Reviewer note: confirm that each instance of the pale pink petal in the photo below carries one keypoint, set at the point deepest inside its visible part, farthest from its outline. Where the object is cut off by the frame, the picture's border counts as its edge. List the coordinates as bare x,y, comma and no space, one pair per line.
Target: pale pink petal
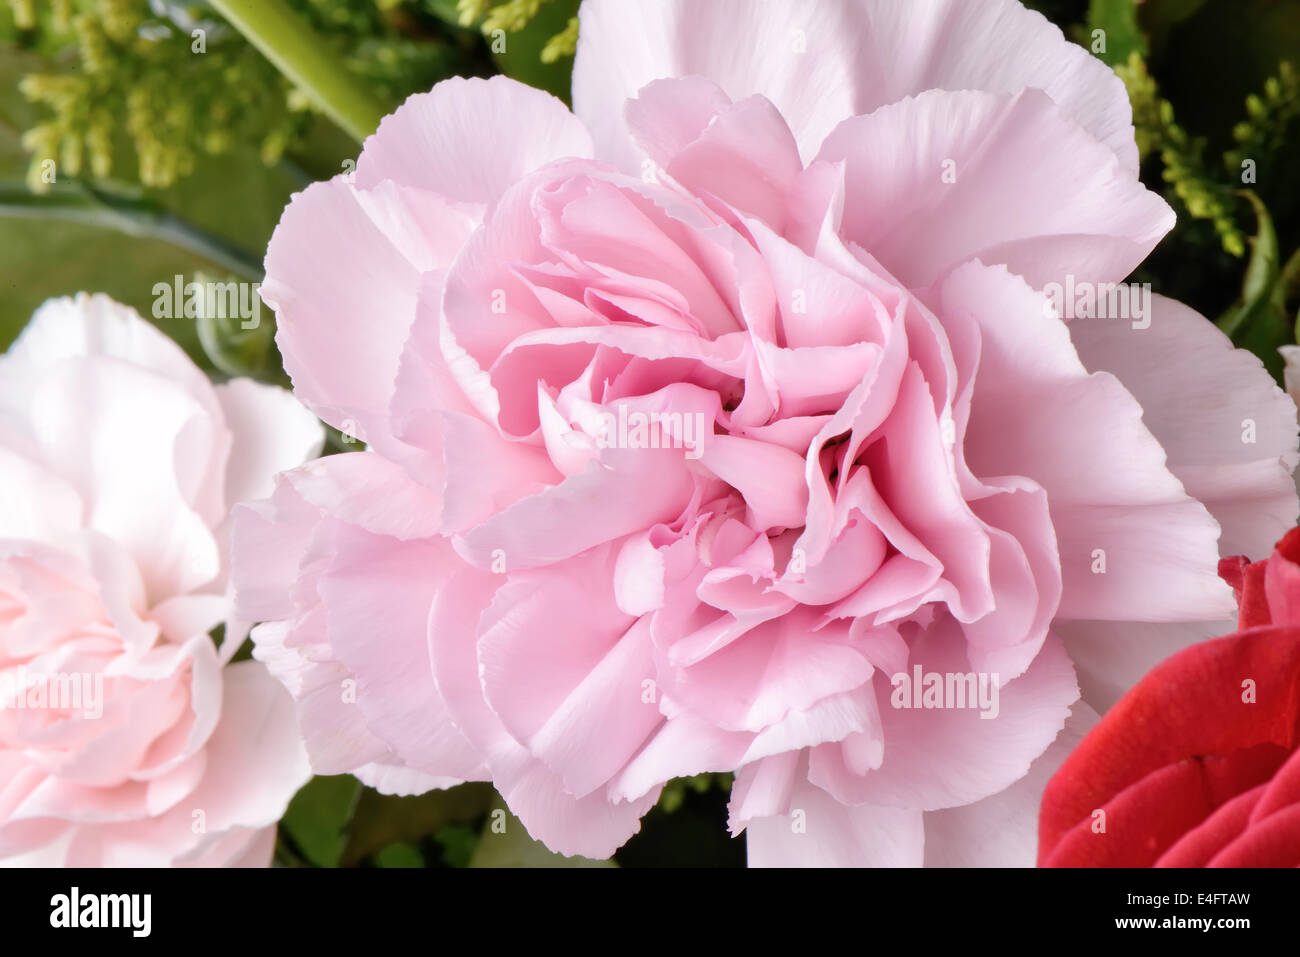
485,474
682,747
470,139
270,538
238,847
764,788
342,310
741,154
256,762
1112,656
591,826
778,667
770,478
132,473
1002,830
947,757
999,177
822,62
272,433
575,696
818,831
333,728
93,325
395,779
1228,430
39,504
1115,505
616,496
372,585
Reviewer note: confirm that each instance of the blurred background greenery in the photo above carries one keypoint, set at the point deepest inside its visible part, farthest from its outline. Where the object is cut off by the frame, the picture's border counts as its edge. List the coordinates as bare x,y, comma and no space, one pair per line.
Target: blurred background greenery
167,162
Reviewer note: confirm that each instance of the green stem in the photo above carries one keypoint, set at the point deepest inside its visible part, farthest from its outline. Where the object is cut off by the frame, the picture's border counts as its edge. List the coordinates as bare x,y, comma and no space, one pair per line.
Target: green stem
288,41
81,203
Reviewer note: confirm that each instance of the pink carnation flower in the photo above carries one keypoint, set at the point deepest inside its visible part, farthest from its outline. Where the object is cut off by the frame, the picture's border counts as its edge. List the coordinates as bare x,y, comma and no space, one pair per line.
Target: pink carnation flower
125,737
704,420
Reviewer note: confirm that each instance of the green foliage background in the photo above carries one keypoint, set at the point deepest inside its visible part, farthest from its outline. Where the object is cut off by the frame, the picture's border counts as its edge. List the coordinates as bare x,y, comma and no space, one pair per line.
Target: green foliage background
174,163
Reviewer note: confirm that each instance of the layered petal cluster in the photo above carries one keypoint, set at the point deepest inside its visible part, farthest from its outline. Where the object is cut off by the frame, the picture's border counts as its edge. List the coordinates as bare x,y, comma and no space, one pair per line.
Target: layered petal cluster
702,418
1199,764
126,739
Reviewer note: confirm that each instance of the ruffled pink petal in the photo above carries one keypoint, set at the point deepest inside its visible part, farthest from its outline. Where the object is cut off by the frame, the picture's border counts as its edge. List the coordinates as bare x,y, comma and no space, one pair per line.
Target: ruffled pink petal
947,757
1228,430
1002,830
591,826
818,831
742,155
334,730
94,325
146,474
39,505
395,779
255,760
376,585
823,61
272,433
255,764
239,847
270,538
617,496
343,309
1112,656
1008,179
779,666
577,697
1115,506
468,140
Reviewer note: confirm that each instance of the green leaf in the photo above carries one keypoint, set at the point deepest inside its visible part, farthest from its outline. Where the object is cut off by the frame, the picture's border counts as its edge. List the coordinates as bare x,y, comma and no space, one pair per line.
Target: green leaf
1262,270
457,842
674,792
1118,21
79,202
288,41
1158,17
57,243
318,817
383,819
1260,276
1258,322
521,58
505,843
1288,286
399,855
444,10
